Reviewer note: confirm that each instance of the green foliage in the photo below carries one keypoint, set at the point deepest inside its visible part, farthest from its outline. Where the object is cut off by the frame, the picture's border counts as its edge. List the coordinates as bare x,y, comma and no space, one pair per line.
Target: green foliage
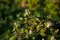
29,20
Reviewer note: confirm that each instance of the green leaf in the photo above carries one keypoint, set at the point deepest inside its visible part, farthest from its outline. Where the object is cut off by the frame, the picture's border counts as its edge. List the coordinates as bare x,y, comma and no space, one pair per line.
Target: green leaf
37,14
12,38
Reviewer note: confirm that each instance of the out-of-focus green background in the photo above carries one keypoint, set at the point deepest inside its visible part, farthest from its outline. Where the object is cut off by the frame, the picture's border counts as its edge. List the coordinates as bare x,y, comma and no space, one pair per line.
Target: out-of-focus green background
29,19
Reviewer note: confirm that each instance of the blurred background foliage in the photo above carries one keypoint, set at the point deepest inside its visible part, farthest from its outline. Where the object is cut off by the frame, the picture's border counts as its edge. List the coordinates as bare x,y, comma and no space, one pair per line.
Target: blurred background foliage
29,19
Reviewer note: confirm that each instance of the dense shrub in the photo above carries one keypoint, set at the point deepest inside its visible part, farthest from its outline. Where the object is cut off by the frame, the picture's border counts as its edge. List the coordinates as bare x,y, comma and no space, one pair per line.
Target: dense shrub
29,20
